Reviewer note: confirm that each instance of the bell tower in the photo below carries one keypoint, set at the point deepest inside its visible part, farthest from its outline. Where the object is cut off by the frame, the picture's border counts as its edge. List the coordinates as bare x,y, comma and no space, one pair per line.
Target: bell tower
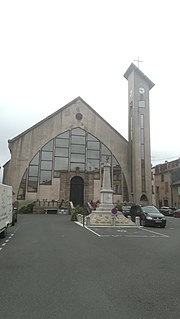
139,86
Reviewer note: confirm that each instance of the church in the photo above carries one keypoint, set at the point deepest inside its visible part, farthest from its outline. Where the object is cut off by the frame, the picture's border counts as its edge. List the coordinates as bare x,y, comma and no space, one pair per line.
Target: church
62,157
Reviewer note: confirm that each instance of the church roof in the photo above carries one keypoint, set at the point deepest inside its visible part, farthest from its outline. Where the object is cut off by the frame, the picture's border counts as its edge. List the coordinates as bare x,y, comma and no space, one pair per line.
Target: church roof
134,68
59,110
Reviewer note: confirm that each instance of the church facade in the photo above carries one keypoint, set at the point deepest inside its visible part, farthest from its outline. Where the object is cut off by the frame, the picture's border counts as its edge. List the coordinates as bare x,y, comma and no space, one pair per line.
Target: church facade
62,157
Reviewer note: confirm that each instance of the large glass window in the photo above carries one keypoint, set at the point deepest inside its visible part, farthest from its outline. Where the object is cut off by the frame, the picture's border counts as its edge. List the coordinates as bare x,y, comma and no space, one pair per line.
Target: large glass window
47,165
93,145
45,177
64,135
92,154
78,139
77,167
117,177
22,188
33,172
32,184
78,158
61,155
60,164
48,146
46,155
35,160
63,152
73,150
80,149
62,142
78,131
91,137
106,155
92,165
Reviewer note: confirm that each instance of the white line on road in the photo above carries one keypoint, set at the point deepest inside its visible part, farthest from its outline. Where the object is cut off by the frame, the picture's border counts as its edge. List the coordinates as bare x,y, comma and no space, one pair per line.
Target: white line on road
92,231
156,233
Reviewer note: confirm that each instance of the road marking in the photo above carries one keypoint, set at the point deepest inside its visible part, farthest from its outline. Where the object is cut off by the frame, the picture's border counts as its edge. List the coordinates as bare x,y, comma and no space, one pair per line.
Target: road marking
6,241
156,233
136,235
122,231
92,231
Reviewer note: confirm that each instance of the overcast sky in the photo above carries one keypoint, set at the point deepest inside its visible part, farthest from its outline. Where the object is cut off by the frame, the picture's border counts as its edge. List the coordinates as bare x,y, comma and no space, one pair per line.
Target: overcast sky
53,51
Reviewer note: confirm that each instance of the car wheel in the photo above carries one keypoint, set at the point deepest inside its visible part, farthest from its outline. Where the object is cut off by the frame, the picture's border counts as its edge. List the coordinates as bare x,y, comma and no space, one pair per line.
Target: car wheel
163,226
4,233
13,221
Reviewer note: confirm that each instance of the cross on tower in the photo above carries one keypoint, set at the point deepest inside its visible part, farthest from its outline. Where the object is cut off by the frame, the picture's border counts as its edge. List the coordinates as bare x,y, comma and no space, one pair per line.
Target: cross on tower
138,61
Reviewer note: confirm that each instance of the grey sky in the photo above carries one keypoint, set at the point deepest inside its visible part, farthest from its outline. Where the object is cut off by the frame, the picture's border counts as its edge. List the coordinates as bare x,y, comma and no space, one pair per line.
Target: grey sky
53,51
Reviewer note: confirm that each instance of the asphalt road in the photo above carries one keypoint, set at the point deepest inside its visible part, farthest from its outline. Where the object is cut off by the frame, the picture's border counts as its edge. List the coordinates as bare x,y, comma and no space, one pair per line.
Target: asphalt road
53,268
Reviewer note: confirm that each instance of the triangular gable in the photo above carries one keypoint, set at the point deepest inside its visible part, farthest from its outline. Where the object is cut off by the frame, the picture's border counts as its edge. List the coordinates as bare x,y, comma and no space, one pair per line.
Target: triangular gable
60,110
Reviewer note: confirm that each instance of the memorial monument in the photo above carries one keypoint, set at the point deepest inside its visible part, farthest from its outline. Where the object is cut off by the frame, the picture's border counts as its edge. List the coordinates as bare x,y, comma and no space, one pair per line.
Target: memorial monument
102,215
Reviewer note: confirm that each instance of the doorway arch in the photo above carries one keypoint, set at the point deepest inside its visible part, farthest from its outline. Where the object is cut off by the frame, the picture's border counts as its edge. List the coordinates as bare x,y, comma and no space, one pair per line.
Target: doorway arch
77,191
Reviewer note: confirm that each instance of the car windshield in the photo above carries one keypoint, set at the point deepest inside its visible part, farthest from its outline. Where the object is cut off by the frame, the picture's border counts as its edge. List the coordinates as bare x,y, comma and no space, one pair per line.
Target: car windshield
150,209
126,207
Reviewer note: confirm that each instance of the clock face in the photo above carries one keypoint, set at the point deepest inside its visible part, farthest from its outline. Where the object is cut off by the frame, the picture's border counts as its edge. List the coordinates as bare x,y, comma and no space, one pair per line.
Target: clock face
141,90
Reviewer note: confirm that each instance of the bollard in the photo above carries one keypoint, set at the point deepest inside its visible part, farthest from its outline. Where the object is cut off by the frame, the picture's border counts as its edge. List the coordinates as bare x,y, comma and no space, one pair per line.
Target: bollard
137,221
87,221
114,220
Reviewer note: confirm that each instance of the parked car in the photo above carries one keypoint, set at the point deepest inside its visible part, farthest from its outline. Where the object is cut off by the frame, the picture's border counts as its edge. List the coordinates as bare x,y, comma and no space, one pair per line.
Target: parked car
177,213
167,211
149,216
126,210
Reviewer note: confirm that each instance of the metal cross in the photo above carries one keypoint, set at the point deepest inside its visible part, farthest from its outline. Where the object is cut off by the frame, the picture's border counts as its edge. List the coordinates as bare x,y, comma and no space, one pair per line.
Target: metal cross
138,61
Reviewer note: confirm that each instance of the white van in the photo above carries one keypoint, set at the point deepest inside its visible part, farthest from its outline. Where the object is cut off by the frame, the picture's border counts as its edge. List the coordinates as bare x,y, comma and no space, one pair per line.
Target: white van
5,209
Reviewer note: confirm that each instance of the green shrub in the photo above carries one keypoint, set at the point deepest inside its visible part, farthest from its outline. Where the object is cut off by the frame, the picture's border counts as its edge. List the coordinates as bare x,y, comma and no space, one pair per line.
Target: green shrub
74,217
119,206
77,210
28,209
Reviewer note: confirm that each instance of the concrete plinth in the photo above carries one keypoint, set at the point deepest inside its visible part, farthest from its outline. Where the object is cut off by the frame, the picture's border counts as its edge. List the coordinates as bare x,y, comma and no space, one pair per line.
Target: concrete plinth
106,219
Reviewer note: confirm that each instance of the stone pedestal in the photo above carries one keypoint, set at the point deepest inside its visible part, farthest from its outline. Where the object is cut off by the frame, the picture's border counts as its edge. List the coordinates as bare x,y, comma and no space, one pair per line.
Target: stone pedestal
106,192
102,215
107,219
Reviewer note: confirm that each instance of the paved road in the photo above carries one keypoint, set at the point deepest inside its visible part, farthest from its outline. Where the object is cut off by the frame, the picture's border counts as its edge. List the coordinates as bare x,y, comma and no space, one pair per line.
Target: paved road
53,268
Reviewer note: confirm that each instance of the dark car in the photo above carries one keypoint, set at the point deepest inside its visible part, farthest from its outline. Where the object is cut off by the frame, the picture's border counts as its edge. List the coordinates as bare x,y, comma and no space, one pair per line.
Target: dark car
177,213
126,210
167,211
149,216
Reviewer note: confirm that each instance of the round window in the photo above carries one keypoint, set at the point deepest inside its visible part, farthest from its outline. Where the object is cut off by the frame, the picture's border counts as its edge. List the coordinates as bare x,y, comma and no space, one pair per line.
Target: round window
79,116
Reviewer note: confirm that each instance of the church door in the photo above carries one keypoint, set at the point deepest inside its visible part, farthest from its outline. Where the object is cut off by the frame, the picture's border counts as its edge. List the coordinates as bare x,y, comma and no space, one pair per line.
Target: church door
77,191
